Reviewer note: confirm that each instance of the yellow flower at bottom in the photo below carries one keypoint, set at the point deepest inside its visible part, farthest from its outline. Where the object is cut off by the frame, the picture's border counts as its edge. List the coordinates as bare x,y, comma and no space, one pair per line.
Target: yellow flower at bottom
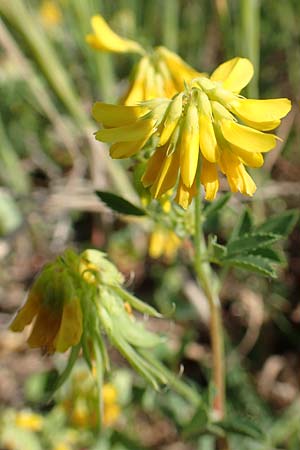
209,122
164,243
29,420
55,311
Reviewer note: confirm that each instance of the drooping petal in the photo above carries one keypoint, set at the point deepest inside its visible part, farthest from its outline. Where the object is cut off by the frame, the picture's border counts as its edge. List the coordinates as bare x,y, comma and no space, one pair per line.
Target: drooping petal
105,39
70,330
45,328
167,175
116,115
234,74
121,150
153,166
251,159
238,178
189,145
262,111
26,314
133,132
262,126
209,179
184,195
207,139
247,138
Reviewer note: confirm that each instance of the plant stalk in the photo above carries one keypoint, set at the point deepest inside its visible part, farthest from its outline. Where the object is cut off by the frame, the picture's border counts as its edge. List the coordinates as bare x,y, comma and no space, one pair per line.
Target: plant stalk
208,283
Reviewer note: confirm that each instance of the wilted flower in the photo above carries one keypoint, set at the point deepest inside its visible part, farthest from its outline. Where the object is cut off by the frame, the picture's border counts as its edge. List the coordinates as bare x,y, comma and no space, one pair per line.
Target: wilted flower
208,120
78,299
160,73
54,307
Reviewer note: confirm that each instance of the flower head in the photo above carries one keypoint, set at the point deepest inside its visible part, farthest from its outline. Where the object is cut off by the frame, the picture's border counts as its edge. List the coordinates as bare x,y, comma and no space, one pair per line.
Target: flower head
209,122
159,73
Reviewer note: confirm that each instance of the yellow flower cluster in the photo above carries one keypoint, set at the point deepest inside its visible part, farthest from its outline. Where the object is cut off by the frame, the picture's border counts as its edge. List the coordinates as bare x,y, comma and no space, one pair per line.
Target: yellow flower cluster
160,73
80,402
208,124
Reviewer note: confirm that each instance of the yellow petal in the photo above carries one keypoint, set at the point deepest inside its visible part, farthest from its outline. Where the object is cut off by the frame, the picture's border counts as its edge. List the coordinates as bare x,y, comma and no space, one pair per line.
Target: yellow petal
126,149
209,179
247,138
237,176
116,115
189,145
172,117
151,90
179,70
153,167
26,314
70,330
156,244
167,175
234,74
136,89
262,111
262,126
133,132
184,195
251,159
168,83
207,139
106,39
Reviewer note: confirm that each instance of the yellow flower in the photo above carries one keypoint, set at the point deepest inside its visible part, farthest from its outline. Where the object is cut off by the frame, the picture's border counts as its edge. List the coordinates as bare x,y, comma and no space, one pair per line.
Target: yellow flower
111,409
160,73
50,13
209,121
164,243
29,420
55,310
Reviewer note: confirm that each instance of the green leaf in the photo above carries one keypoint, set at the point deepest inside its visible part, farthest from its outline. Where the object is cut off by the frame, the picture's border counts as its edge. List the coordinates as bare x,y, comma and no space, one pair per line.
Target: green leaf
243,226
119,204
215,250
213,207
280,224
242,427
250,242
270,254
198,423
253,263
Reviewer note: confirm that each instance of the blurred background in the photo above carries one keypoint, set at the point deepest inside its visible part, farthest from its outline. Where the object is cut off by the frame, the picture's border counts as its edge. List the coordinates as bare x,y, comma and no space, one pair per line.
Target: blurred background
49,168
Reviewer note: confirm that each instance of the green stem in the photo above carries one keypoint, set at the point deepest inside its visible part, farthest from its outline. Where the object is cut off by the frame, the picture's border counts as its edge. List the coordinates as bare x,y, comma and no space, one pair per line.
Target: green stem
209,285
